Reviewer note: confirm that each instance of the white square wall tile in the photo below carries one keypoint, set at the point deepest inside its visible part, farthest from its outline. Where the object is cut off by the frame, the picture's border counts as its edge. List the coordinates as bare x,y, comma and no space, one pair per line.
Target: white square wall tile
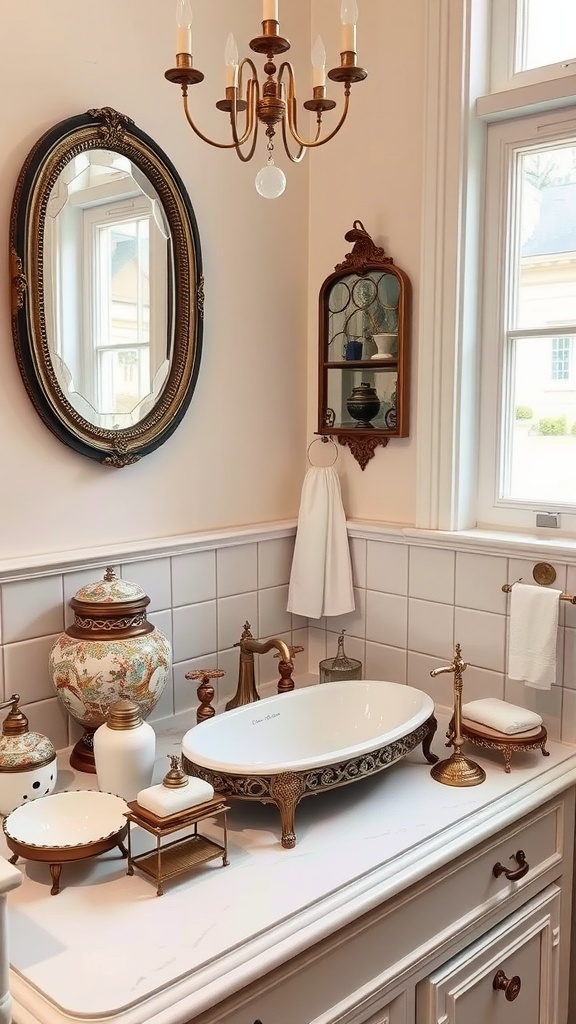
431,574
387,567
389,663
153,576
273,618
387,619
194,631
569,608
358,549
236,570
431,628
26,669
482,637
316,648
32,608
233,612
569,673
275,561
479,581
193,578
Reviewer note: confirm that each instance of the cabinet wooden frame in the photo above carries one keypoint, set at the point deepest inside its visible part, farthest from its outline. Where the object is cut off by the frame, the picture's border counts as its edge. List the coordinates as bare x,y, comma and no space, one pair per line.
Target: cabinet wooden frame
366,265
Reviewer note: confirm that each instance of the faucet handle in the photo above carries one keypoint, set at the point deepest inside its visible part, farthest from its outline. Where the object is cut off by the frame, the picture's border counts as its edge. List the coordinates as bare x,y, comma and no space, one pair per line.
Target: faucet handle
205,691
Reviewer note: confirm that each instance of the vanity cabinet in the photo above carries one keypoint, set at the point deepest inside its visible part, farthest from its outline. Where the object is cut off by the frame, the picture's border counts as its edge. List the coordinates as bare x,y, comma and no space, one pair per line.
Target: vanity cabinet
430,954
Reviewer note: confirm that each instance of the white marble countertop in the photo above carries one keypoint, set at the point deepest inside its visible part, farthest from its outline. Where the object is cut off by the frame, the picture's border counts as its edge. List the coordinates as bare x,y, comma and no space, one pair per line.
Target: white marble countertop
217,929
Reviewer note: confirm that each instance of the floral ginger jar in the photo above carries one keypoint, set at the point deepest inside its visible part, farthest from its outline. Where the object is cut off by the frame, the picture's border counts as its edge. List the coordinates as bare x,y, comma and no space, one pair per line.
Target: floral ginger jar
110,652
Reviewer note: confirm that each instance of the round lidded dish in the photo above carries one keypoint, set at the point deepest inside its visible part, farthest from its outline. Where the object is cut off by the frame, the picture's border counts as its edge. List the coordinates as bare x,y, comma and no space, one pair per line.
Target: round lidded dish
110,652
28,767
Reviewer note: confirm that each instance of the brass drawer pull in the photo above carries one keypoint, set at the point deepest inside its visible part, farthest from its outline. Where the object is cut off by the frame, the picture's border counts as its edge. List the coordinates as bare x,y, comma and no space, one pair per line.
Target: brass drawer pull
513,874
510,986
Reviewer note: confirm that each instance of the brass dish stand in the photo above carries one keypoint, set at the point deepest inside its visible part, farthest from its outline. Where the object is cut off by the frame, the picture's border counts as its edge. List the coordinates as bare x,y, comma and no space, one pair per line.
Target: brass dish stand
189,851
490,739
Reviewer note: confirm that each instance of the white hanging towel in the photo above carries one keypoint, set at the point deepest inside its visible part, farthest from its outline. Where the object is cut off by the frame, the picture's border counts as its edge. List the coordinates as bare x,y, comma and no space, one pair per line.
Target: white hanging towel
533,634
321,574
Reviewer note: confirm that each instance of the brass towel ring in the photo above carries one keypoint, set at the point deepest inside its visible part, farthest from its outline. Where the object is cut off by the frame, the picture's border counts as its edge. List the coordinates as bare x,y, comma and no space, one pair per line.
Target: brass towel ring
323,440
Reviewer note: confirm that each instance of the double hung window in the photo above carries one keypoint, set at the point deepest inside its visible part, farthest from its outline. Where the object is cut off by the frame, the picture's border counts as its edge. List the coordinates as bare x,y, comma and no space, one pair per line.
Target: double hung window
528,309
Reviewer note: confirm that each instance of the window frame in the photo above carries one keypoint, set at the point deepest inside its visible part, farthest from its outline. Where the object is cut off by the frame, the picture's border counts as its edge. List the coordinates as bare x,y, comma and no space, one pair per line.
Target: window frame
458,107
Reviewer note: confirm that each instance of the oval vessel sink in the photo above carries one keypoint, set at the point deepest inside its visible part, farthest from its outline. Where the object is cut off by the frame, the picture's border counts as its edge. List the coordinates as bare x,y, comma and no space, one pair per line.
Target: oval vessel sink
286,747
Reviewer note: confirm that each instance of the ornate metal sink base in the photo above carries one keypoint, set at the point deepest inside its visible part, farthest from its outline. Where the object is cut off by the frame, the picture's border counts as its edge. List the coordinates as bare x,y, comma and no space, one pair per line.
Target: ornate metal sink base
287,789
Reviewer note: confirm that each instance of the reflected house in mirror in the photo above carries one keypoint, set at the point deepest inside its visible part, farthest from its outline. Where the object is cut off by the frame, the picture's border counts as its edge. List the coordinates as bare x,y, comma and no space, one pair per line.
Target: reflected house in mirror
364,349
107,287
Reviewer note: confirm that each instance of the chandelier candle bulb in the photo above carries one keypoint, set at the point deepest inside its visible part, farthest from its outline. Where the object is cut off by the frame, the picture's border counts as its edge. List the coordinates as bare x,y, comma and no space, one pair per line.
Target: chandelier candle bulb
231,62
270,10
183,27
319,63
349,18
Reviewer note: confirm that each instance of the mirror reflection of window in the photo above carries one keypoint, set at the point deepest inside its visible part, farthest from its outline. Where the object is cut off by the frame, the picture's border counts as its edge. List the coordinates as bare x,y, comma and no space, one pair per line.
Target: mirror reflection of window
106,287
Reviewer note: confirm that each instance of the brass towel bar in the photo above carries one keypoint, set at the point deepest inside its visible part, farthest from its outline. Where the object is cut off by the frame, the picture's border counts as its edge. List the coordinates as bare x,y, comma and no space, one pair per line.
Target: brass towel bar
543,574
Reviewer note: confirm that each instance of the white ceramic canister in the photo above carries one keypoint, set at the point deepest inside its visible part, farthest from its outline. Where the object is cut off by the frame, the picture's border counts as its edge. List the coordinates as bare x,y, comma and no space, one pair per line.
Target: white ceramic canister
28,766
109,652
124,751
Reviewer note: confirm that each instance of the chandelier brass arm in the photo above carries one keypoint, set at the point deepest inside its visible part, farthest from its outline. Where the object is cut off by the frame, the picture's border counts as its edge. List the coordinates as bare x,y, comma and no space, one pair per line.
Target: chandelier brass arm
271,100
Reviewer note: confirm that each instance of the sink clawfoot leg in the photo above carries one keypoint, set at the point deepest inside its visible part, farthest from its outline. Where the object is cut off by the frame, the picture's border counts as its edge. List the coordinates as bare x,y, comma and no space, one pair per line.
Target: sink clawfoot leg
286,790
427,741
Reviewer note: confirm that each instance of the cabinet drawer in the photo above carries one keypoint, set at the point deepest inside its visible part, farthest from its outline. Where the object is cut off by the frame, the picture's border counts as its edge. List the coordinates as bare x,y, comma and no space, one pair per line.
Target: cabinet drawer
510,976
353,969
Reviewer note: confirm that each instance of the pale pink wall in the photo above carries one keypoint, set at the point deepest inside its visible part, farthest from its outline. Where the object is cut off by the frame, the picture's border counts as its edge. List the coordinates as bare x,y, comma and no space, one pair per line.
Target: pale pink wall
372,172
238,455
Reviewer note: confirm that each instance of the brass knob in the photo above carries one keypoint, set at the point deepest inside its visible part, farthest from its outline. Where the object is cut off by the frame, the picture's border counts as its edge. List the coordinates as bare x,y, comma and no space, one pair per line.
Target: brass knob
509,986
513,874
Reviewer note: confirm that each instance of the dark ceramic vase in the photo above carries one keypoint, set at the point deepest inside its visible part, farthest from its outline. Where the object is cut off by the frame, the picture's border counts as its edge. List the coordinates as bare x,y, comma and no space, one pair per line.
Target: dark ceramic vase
363,404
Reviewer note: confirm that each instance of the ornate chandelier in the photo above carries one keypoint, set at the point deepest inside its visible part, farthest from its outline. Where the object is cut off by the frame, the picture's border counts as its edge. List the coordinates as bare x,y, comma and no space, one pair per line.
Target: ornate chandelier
272,103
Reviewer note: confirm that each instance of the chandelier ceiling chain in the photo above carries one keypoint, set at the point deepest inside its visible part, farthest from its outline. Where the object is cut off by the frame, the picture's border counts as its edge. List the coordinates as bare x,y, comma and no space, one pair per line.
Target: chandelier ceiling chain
272,103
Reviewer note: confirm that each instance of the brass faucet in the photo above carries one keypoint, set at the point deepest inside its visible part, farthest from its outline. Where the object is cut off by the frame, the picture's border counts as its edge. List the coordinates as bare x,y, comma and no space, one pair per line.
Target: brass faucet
246,692
456,770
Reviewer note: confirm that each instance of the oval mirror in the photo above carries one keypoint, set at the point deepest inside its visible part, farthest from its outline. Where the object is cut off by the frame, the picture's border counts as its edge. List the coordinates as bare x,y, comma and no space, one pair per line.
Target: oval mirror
107,288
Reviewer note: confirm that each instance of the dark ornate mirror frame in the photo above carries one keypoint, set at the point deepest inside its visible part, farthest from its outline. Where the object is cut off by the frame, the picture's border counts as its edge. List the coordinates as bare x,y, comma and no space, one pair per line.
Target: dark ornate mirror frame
365,258
103,129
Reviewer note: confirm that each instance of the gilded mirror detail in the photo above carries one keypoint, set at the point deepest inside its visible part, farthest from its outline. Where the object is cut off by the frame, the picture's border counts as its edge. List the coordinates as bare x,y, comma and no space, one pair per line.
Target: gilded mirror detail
363,349
107,288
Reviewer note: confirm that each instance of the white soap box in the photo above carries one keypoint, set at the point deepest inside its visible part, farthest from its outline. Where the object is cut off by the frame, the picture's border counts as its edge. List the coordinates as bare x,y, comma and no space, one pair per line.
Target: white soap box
163,801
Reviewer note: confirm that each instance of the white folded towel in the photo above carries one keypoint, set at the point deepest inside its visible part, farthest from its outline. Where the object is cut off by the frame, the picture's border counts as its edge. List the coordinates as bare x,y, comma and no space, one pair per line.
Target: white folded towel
533,635
321,574
501,716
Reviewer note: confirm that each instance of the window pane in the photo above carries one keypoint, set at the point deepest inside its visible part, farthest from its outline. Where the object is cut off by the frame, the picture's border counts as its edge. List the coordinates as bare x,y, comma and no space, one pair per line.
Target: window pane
541,463
546,33
546,272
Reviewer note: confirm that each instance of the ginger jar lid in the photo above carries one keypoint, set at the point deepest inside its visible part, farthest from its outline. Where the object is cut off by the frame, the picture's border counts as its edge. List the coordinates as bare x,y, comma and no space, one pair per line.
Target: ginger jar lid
21,749
109,590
